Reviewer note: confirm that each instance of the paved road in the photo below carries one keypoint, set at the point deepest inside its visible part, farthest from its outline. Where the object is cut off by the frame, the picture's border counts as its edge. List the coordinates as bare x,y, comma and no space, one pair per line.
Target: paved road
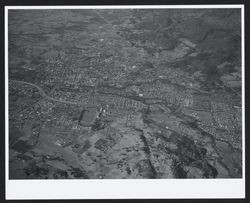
43,94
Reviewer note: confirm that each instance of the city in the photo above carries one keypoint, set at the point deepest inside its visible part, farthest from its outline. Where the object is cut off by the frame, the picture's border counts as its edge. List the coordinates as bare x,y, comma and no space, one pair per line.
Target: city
125,94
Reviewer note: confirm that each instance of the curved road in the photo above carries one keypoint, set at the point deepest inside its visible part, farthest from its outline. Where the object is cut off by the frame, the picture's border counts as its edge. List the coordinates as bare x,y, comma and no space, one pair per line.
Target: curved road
42,93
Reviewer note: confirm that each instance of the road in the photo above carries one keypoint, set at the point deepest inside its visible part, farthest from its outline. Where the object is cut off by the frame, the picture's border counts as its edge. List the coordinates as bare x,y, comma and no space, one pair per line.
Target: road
43,94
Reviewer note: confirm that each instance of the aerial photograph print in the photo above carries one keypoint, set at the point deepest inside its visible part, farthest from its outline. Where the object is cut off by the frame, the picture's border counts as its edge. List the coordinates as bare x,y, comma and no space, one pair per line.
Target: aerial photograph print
128,93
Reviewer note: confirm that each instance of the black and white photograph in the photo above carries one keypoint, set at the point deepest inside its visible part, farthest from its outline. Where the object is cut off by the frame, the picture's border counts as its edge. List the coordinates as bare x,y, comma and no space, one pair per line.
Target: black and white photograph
125,93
